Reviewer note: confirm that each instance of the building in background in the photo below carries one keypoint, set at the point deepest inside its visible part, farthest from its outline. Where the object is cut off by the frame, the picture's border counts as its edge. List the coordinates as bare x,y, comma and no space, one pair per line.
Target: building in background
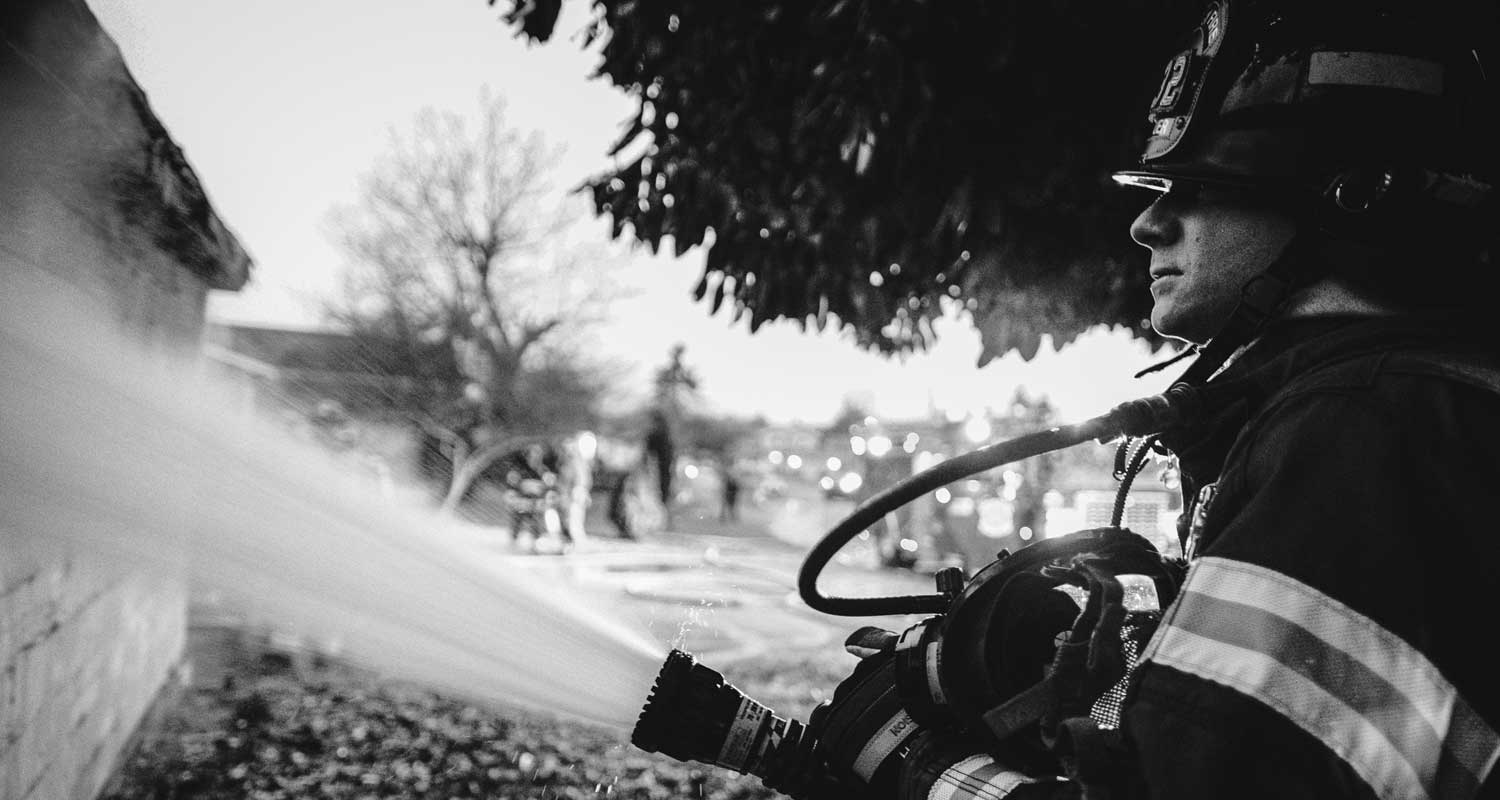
326,388
98,207
969,521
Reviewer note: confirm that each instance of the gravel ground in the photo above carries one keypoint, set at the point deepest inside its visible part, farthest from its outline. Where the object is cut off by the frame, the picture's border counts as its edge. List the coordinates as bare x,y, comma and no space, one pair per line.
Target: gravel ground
275,728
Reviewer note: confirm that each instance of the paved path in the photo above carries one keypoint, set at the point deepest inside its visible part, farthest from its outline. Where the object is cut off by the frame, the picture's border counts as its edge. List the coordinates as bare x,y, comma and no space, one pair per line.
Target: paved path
729,590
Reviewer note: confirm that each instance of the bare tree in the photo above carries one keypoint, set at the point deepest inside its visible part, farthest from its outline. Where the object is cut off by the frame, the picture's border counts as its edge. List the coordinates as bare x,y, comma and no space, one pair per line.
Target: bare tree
463,271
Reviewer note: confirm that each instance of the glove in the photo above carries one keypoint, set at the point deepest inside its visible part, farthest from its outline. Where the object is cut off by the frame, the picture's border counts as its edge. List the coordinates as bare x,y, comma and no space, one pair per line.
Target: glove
1092,659
1088,664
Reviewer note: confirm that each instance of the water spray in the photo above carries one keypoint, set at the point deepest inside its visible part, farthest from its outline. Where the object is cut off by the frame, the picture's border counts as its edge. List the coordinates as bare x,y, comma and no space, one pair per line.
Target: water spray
116,461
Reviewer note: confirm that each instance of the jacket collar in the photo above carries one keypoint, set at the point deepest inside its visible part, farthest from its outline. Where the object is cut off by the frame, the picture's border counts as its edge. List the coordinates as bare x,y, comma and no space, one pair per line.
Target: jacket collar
1291,347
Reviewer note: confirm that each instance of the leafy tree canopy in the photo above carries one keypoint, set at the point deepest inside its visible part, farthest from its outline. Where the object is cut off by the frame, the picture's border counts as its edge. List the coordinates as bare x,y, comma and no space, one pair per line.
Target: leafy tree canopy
875,163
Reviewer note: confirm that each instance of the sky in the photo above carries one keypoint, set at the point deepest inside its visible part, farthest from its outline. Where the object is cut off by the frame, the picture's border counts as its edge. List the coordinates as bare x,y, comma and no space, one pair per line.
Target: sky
281,105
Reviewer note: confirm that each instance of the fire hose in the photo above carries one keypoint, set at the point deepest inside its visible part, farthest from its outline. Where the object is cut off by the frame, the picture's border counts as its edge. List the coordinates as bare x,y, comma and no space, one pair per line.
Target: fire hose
968,700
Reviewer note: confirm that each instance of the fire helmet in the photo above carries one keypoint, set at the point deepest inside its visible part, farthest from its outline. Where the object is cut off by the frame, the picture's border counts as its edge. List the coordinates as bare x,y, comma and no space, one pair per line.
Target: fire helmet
1354,111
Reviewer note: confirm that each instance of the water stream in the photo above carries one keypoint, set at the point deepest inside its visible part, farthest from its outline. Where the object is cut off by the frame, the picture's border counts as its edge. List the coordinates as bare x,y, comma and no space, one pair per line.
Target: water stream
111,456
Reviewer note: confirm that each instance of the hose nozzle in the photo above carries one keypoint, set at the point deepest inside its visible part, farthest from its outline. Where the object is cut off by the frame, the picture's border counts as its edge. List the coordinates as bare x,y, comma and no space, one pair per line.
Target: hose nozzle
693,715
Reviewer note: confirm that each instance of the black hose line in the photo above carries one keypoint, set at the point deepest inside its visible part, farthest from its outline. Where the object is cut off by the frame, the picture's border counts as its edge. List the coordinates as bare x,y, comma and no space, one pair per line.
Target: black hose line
1127,477
1141,417
1192,394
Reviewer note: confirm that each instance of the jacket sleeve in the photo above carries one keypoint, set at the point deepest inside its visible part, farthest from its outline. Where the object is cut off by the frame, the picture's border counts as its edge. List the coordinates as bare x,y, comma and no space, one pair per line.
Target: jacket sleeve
1298,660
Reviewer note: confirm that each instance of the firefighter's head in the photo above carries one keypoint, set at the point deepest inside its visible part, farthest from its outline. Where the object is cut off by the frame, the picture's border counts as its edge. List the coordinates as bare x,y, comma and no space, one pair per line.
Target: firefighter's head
1361,129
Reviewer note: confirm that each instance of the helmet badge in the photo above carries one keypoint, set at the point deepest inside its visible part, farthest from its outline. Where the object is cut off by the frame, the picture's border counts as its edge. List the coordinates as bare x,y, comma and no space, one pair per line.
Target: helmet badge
1182,82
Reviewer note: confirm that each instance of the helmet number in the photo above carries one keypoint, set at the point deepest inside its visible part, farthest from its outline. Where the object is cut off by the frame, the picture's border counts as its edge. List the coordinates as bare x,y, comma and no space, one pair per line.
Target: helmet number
1173,85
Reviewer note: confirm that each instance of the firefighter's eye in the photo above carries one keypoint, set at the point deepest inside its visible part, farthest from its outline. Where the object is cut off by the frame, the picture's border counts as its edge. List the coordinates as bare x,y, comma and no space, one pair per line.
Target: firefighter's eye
1182,191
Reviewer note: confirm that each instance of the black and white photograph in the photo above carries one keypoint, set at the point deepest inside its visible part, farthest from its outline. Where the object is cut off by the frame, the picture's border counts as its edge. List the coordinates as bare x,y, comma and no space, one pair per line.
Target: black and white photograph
824,400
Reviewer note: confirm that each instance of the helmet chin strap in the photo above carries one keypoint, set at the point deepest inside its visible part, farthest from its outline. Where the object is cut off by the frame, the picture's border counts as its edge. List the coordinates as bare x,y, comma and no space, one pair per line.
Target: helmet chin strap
1261,299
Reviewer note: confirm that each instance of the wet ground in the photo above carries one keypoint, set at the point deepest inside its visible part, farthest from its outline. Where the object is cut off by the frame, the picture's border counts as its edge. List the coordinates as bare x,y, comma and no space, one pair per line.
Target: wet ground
261,719
728,590
276,730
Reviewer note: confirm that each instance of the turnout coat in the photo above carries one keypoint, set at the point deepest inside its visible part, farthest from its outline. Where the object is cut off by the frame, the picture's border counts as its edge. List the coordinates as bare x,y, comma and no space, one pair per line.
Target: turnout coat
1333,637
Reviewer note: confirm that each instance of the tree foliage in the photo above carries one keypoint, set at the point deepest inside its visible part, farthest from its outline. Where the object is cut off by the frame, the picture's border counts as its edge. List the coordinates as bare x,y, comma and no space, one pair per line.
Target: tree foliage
708,433
461,274
676,384
873,164
718,436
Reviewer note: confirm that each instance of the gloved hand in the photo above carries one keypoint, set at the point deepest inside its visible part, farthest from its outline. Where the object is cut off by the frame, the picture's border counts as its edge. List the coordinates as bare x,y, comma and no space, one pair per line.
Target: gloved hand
1088,664
1092,659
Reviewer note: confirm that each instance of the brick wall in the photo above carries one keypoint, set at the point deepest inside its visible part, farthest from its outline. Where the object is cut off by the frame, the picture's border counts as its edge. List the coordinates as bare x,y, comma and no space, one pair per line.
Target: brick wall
98,206
84,653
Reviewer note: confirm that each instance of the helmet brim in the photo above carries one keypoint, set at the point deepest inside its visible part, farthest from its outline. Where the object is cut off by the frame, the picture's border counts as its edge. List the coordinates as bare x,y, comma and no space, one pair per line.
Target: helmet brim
1160,179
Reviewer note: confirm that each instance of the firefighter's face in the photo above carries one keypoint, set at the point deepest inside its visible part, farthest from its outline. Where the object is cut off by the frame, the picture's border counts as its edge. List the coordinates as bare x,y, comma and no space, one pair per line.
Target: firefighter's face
1206,243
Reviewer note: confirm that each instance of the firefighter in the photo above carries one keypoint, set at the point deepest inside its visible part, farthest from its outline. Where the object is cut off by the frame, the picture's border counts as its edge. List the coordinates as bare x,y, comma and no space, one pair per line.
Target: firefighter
1320,231
1322,237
